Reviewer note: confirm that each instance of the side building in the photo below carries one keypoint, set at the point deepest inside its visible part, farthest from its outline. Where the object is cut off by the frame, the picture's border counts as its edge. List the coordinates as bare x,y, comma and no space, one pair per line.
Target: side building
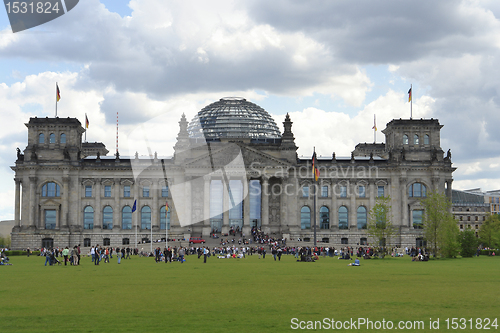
470,209
232,170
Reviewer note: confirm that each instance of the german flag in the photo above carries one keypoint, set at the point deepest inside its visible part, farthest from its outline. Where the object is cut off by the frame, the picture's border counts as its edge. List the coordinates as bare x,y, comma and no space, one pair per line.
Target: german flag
166,208
86,122
315,167
409,95
58,93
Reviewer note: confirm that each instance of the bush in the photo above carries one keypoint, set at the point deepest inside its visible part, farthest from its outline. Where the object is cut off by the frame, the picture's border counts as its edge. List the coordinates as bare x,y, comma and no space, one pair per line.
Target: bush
468,243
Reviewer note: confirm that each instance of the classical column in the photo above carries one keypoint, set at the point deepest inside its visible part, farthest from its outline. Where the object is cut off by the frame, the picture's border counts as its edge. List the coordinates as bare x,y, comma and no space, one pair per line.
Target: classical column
32,202
265,204
188,198
291,194
155,220
373,194
117,212
17,208
97,208
137,214
206,201
334,212
64,223
246,207
352,209
225,204
404,203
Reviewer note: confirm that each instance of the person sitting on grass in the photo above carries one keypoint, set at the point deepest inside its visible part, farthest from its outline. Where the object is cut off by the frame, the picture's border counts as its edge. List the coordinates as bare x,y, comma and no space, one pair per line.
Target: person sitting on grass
355,263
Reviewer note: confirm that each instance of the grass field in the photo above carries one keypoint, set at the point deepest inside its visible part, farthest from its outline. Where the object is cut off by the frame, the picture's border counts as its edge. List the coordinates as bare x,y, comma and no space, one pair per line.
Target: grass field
242,295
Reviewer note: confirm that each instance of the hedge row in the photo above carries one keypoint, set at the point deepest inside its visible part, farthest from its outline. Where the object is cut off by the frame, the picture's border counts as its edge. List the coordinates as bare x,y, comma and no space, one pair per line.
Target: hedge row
21,253
487,252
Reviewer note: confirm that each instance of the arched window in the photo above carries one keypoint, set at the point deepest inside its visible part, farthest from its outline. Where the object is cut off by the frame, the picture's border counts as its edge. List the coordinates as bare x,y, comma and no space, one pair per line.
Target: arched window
361,217
164,218
51,190
305,191
41,138
324,218
343,218
426,139
62,138
417,190
146,218
305,218
88,218
126,218
106,242
107,218
415,139
405,139
52,138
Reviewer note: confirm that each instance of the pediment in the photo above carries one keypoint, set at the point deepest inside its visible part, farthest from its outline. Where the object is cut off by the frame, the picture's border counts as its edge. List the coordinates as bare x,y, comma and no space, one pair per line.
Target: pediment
231,152
47,203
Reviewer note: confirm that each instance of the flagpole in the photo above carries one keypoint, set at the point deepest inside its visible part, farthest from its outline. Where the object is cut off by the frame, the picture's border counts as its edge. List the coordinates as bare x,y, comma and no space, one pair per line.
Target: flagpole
411,102
56,99
374,130
135,203
315,190
85,127
166,205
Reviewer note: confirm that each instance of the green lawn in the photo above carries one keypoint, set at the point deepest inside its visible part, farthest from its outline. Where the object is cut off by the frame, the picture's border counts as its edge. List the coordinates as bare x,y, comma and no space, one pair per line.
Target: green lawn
241,295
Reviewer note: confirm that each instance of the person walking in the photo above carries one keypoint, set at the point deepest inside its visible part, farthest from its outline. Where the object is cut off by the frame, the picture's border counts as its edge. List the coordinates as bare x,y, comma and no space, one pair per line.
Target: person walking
76,260
182,252
92,253
48,253
65,255
97,255
128,253
118,254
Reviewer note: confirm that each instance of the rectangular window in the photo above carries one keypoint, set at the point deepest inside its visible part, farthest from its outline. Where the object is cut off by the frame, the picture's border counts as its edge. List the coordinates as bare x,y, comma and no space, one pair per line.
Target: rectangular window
417,219
362,191
164,192
343,191
324,191
145,191
305,191
380,191
88,191
126,191
50,218
107,191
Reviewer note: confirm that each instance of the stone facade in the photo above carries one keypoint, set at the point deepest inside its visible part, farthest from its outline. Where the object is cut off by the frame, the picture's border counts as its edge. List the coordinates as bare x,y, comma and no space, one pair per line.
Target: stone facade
69,198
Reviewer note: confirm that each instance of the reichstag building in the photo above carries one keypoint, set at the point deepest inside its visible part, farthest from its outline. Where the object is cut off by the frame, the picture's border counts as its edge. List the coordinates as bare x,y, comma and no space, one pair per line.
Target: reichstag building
232,170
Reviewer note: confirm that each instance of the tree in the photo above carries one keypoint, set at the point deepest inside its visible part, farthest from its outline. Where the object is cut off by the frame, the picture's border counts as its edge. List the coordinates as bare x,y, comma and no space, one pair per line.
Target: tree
468,243
489,232
380,225
440,228
5,241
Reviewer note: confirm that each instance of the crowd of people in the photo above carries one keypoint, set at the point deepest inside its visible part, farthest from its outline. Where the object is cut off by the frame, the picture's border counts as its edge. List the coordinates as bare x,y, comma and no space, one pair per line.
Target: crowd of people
261,245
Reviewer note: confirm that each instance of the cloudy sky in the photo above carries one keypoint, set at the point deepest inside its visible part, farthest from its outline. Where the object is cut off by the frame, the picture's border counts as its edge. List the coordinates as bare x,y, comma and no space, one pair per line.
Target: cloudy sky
331,65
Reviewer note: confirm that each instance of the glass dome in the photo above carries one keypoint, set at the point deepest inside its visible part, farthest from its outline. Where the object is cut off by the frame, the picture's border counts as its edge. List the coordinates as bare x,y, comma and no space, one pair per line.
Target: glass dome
233,117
